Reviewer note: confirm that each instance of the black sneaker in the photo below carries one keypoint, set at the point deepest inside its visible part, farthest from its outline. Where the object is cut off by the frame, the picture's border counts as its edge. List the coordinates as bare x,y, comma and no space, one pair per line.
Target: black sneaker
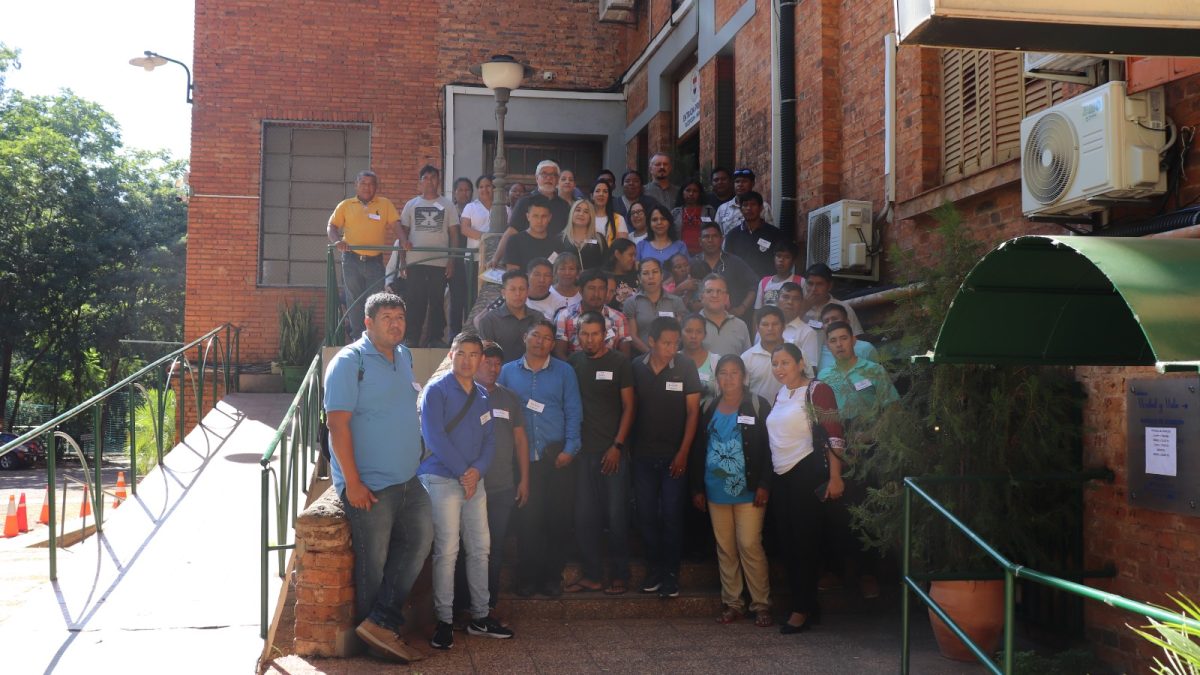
489,627
443,636
652,583
669,587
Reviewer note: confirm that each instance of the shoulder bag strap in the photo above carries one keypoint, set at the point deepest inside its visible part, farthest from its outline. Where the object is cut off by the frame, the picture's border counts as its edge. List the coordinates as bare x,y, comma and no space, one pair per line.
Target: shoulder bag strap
453,424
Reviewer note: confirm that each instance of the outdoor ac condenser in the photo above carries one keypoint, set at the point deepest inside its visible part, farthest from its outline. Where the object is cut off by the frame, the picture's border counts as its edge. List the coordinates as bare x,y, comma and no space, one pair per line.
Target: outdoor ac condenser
841,235
1081,155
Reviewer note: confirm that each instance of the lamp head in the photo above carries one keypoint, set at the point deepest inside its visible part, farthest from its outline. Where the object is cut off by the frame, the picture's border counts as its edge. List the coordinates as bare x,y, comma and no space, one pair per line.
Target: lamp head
502,72
149,61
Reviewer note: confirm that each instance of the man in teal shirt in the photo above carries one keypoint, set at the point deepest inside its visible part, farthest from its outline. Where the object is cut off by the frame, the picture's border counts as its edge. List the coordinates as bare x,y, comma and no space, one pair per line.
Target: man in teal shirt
862,387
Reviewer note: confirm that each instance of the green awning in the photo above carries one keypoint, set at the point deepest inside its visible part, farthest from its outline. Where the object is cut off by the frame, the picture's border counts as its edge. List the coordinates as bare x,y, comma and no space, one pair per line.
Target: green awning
1102,301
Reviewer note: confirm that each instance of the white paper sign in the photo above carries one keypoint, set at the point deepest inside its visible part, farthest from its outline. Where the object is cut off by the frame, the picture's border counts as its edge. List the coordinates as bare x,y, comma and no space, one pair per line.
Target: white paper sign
604,375
745,419
674,386
500,413
688,89
535,406
862,384
1160,451
552,258
485,418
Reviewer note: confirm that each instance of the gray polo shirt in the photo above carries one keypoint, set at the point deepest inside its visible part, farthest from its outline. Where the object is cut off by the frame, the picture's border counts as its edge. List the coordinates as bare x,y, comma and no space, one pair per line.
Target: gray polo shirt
642,310
728,337
667,197
505,329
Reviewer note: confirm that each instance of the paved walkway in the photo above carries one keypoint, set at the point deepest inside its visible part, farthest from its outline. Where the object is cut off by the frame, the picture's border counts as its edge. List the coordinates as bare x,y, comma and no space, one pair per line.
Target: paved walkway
844,644
173,583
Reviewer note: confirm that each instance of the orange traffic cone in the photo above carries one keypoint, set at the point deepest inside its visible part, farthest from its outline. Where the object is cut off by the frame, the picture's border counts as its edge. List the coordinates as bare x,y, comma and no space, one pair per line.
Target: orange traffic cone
121,494
86,508
44,519
22,516
10,521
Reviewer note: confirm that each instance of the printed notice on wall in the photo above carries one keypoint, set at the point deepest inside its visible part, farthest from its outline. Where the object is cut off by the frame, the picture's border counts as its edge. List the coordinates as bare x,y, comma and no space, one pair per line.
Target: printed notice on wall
1160,450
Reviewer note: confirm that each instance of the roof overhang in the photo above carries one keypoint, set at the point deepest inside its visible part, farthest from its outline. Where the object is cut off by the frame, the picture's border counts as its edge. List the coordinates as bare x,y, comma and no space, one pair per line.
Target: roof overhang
1095,301
1120,27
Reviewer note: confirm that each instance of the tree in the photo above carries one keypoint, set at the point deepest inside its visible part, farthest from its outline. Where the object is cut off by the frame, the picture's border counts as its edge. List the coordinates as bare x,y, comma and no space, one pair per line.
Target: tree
92,245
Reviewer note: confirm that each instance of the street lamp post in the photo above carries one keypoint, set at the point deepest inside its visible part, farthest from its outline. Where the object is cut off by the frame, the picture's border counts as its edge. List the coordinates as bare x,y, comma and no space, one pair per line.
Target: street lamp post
151,60
502,74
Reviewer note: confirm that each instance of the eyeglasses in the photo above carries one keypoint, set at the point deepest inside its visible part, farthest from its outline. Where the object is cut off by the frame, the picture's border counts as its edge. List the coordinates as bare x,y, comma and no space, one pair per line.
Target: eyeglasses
548,174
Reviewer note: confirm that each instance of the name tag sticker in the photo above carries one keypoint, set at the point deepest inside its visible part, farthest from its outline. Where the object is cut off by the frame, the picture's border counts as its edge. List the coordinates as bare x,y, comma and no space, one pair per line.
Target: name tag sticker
745,419
862,384
500,413
439,206
674,386
591,241
485,418
705,377
667,314
535,406
705,219
604,375
373,216
763,244
815,324
552,258
416,387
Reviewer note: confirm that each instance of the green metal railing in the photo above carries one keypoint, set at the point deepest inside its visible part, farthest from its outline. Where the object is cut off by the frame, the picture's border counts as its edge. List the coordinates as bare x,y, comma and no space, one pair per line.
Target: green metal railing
299,433
334,322
219,349
1011,573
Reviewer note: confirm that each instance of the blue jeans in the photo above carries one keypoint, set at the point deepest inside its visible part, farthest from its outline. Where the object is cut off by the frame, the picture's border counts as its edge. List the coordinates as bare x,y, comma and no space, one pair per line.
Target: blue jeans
391,542
660,512
358,277
455,516
601,501
500,506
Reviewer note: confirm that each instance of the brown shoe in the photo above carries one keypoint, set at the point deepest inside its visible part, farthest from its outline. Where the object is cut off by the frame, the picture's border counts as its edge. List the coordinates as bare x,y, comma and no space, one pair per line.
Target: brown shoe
387,642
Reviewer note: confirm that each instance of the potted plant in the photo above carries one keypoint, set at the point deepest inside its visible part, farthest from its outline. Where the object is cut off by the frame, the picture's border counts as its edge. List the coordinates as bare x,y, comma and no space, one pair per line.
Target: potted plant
297,343
966,421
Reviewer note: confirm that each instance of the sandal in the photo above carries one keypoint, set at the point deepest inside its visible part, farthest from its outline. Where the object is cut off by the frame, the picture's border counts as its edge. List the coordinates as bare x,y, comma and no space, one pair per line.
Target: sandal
762,619
729,615
617,587
583,585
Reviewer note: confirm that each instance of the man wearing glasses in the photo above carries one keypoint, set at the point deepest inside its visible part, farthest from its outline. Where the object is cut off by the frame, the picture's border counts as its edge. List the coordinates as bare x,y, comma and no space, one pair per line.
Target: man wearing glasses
739,278
546,195
730,214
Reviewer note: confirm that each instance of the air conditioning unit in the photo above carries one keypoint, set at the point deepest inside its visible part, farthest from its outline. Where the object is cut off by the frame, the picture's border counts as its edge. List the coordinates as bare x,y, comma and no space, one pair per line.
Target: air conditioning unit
1079,156
841,235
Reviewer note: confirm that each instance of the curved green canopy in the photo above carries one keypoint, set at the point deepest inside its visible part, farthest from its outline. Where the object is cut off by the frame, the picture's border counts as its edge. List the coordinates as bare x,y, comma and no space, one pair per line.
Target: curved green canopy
1078,301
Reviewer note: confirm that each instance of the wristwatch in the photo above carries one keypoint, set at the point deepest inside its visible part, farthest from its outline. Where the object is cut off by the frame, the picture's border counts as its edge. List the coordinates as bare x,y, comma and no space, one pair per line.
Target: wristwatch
620,446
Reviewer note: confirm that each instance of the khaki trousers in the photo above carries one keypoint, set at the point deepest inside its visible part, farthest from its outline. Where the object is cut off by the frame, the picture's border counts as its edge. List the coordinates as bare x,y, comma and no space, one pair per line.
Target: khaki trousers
738,531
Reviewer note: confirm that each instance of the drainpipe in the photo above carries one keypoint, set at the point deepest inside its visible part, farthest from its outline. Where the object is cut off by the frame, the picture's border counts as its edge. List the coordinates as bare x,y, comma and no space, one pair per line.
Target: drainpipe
787,117
889,124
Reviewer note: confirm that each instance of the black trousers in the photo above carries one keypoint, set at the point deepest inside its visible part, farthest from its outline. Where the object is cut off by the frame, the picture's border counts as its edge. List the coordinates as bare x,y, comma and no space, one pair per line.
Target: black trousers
426,289
458,298
544,523
798,524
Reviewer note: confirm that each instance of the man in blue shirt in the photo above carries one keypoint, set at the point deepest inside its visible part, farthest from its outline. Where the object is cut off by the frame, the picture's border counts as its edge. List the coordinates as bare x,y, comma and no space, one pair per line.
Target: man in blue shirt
457,421
371,405
549,392
862,349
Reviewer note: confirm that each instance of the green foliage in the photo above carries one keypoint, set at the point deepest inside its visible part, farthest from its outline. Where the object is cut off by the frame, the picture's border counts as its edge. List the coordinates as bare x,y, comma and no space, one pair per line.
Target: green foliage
297,335
1070,662
146,424
1180,643
92,244
965,420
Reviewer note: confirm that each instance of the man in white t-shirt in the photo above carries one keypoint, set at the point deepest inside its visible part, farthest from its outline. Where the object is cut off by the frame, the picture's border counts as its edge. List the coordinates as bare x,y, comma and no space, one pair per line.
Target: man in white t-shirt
430,220
542,295
818,279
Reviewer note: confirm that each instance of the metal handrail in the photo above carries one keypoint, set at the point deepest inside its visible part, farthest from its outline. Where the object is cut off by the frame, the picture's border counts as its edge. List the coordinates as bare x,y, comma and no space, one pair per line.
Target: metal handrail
226,356
333,322
301,429
1012,572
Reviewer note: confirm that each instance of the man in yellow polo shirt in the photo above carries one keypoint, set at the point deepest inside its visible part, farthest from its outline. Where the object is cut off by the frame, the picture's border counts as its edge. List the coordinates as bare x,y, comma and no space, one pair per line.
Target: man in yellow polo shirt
364,220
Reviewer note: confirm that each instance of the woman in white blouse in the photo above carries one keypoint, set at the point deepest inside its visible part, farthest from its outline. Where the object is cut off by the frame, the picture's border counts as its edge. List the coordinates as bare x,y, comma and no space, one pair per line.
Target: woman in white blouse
805,475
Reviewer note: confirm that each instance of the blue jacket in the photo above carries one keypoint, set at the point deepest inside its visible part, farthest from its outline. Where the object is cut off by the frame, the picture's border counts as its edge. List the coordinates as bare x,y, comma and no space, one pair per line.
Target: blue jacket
471,444
556,388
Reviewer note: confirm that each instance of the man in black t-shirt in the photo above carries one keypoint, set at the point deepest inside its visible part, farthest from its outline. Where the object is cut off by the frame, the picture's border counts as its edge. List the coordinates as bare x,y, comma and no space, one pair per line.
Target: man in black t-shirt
602,495
546,195
668,392
535,242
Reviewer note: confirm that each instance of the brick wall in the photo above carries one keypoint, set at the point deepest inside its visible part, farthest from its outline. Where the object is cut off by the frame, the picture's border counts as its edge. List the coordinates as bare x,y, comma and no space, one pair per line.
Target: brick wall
752,86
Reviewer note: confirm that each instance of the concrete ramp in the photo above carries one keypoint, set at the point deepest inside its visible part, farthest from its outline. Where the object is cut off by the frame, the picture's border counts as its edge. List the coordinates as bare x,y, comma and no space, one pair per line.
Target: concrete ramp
172,585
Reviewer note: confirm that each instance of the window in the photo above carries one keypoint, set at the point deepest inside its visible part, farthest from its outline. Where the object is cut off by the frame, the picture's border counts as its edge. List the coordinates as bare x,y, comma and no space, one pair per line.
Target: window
524,151
307,170
984,97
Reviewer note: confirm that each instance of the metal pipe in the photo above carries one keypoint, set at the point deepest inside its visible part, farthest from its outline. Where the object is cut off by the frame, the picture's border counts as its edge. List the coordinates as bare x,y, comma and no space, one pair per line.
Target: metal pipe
133,481
787,118
889,123
97,448
51,458
905,563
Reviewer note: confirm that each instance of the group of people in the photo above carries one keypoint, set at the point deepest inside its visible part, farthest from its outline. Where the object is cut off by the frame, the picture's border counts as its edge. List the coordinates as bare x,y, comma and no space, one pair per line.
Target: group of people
707,378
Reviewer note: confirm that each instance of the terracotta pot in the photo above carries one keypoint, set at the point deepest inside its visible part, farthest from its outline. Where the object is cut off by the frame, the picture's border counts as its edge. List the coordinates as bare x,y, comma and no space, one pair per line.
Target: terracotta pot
977,607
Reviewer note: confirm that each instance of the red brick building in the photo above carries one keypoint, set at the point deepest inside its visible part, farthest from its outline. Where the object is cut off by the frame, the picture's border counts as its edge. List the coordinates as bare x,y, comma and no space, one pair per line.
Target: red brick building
292,100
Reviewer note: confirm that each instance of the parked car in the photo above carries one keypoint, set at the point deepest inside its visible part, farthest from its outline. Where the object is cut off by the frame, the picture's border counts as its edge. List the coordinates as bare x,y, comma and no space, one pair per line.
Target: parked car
25,455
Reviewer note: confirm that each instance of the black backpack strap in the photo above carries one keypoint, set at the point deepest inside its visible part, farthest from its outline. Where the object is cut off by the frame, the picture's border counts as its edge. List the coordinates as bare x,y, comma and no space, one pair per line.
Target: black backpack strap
453,424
